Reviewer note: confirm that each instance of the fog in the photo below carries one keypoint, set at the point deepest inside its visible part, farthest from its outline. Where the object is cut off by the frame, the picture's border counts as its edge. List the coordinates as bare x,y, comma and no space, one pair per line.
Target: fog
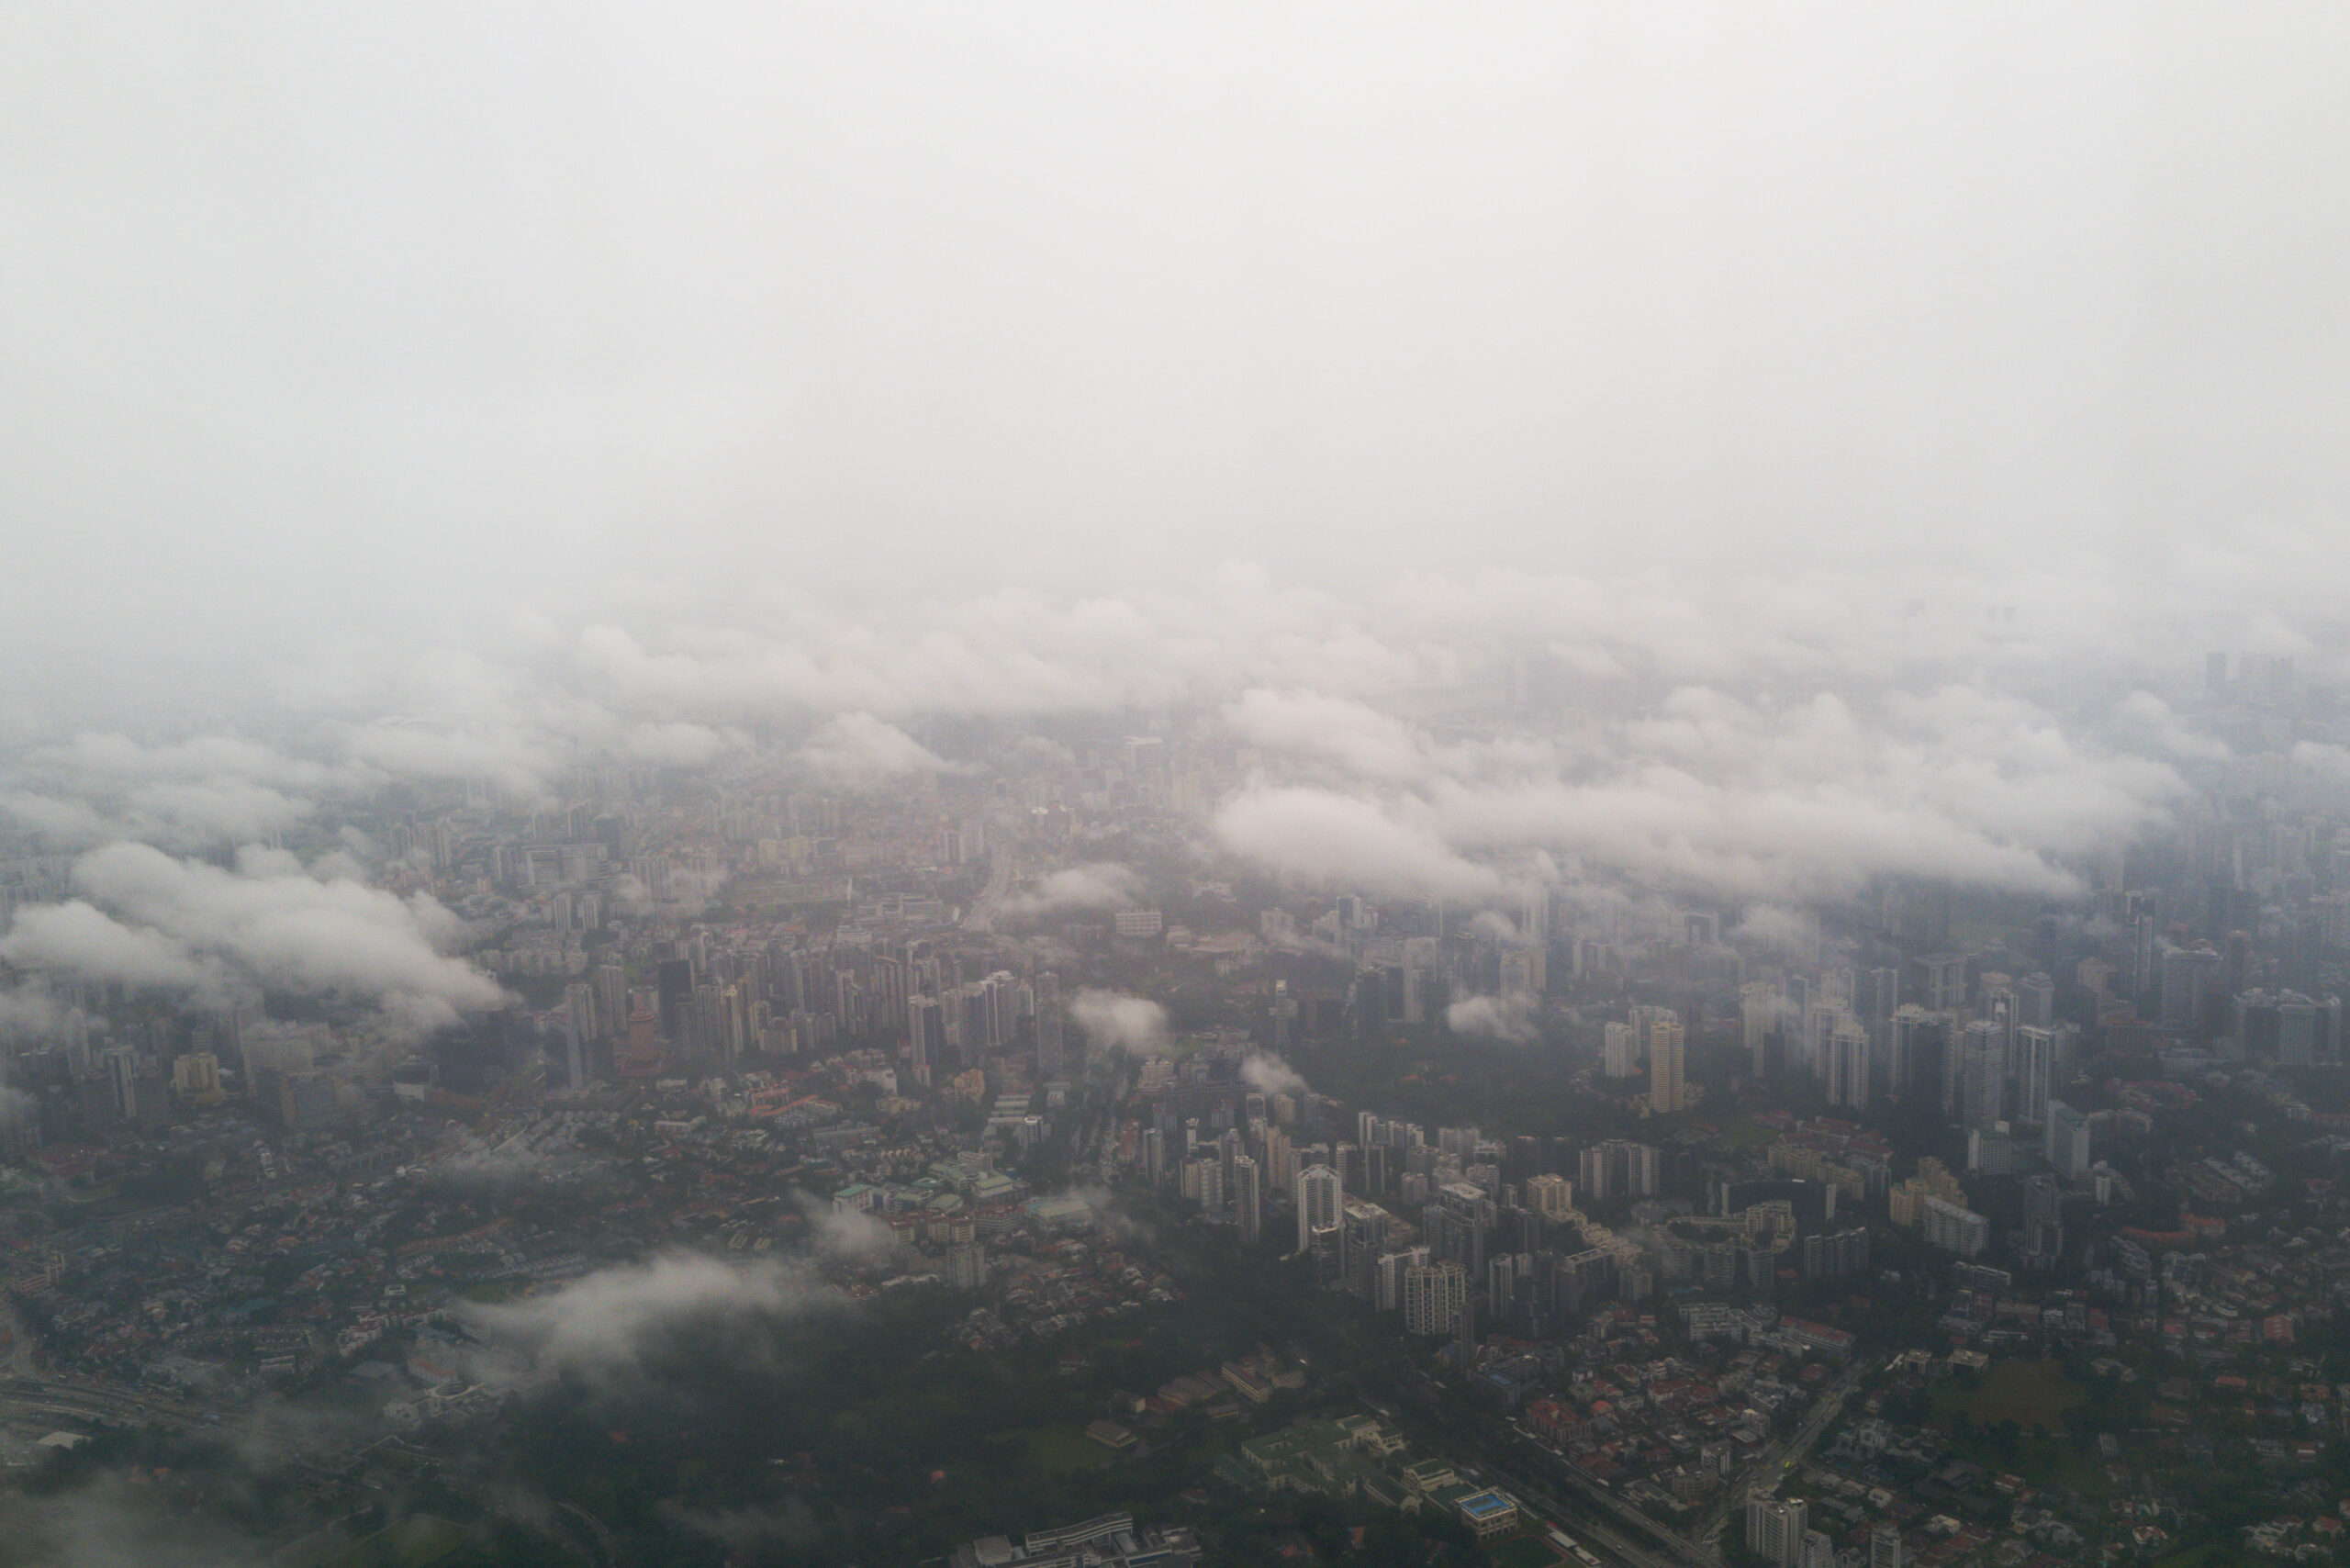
370,363
1870,415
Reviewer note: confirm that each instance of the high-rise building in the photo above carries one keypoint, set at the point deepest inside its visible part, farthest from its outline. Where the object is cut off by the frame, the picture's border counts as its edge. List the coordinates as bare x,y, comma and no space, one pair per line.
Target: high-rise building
1758,1014
2066,1140
2191,976
641,1058
1500,1284
966,1267
1617,1169
1320,1192
2034,1055
1393,1268
1982,1075
1435,1294
1668,1091
1620,1055
1362,1238
1459,1224
2043,1221
1940,982
1552,1198
1884,1548
1775,1529
1846,1064
1247,1200
1953,1228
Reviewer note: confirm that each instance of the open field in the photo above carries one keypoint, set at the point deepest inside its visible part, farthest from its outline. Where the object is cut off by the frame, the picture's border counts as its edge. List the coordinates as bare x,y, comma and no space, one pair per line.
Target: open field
416,1541
2021,1392
1057,1451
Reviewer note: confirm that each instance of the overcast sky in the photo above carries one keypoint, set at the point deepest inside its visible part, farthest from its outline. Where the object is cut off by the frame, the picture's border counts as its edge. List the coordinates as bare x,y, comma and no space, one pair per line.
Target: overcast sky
323,320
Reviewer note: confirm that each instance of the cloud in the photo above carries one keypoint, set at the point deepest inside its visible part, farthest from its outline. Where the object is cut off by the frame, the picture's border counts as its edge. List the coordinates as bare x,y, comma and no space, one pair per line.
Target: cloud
1495,926
111,1522
1329,837
684,746
418,749
846,1236
1101,884
95,756
746,1531
1115,1018
81,939
2149,724
858,746
27,1014
1721,793
1268,1073
1509,1018
150,919
608,1322
1366,742
1776,928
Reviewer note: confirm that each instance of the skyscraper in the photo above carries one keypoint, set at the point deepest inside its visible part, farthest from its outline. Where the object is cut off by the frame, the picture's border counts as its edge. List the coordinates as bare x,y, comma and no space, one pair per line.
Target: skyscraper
1434,1296
1845,1067
1775,1529
1318,1192
1667,1042
1758,1012
1982,1075
2034,1055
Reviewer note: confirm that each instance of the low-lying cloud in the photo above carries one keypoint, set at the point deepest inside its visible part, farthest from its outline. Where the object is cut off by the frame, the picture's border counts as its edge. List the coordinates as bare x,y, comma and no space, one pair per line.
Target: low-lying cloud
1507,1017
1117,1018
608,1322
1099,885
1268,1073
148,919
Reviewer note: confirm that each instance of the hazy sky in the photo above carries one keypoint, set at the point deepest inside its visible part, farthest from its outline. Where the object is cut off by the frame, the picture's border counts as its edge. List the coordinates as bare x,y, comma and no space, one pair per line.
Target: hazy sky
326,319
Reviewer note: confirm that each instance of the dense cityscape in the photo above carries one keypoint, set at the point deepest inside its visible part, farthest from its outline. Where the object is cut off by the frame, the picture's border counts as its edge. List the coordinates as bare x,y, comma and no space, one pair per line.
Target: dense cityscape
823,784
1225,1217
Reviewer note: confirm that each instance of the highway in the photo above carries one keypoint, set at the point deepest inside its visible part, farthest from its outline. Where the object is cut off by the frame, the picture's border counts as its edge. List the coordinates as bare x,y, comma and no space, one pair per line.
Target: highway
1602,1541
1005,822
1665,1548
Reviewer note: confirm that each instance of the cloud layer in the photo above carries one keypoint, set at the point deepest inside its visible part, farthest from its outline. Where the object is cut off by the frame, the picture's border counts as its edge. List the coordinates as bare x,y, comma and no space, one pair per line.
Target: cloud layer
148,919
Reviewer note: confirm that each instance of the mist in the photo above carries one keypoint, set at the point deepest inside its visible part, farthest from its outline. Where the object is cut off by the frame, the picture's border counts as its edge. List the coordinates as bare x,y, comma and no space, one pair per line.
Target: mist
1977,305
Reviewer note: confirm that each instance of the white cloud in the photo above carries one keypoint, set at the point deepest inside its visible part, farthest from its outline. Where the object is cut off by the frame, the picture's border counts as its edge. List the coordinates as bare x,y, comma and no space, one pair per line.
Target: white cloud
1509,1017
860,746
148,919
1098,885
1332,837
1269,1073
607,1322
684,746
417,749
81,939
1115,1018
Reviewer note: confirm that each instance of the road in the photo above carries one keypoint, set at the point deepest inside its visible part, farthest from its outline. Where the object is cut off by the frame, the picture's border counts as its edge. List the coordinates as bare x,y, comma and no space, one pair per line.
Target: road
1780,1458
608,1548
1664,1548
1602,1540
1005,822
